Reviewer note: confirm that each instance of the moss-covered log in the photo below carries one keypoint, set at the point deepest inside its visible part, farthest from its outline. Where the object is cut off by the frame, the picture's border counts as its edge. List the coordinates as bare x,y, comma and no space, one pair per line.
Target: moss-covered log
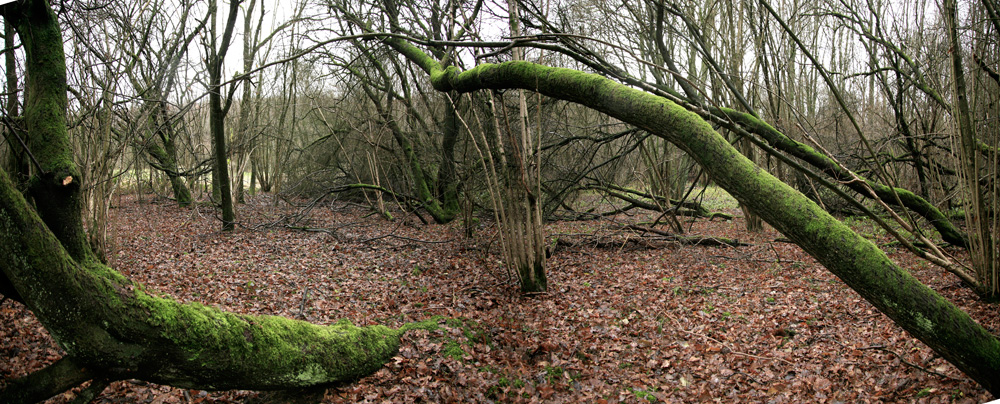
860,264
949,232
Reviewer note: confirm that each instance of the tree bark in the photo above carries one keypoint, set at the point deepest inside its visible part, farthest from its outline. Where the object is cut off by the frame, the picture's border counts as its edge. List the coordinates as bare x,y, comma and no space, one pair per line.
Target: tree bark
18,163
55,188
524,232
166,155
447,180
858,262
217,118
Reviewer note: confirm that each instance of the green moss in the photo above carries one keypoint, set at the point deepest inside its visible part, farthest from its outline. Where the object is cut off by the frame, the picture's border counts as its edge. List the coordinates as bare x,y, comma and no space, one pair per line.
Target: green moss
312,375
643,395
295,353
453,349
440,79
45,108
430,324
553,374
923,322
471,330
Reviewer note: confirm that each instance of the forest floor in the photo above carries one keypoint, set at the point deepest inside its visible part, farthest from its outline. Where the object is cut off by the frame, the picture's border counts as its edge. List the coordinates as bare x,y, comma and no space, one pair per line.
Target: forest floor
628,317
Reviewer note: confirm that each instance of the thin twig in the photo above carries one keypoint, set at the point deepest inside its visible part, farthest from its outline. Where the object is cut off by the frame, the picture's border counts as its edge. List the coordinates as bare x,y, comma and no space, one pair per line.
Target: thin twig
913,365
302,306
13,131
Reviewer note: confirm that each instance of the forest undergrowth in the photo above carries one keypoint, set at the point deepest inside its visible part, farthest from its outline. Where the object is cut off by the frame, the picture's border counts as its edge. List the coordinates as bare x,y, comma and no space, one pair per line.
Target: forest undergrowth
629,317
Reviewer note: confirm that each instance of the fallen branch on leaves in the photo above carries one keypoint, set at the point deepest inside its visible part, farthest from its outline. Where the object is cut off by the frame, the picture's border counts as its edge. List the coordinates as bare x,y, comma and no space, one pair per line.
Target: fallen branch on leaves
687,240
907,363
628,236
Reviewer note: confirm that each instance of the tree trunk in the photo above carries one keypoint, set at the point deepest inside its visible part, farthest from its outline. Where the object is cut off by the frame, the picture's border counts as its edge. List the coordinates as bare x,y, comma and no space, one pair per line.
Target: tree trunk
111,326
753,221
447,181
855,260
166,155
55,189
524,232
982,249
217,117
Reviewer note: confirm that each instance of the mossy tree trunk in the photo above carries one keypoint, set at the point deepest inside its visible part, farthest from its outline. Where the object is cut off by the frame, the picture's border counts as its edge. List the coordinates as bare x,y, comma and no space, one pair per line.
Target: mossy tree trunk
55,187
217,114
858,262
165,152
112,328
949,232
447,179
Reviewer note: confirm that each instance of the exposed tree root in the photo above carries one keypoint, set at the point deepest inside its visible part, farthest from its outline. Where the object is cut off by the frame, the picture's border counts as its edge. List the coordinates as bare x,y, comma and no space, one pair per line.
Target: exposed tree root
56,378
88,394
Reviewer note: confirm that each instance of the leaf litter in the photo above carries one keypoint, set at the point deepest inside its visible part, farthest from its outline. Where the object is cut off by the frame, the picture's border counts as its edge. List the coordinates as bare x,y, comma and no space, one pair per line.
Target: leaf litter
628,317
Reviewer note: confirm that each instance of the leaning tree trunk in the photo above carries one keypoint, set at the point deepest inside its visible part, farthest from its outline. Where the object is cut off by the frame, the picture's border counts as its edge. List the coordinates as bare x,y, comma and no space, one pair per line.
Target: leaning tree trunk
114,327
111,327
858,262
828,166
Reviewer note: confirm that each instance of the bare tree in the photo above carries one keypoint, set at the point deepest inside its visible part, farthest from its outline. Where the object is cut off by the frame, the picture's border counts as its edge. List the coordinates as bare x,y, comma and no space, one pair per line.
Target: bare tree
981,228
